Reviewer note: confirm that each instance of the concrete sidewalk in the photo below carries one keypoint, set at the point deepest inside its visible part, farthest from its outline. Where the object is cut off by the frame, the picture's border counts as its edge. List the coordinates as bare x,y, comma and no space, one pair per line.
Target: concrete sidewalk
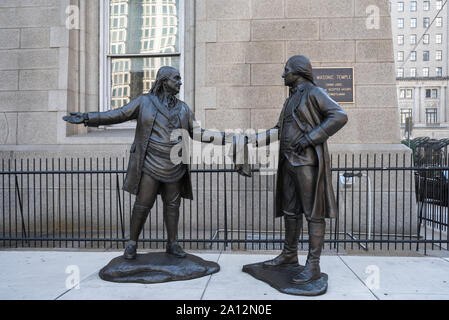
48,275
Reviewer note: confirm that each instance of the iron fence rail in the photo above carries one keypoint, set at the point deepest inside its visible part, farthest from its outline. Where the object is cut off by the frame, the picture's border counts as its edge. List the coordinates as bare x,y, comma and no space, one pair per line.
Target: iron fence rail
385,203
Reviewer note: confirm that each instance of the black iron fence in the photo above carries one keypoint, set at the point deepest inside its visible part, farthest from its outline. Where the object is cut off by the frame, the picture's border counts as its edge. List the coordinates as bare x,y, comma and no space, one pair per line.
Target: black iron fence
385,203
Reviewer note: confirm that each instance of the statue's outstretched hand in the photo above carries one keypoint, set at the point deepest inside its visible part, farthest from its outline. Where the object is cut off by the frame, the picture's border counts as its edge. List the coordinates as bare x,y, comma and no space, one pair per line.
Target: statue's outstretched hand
75,118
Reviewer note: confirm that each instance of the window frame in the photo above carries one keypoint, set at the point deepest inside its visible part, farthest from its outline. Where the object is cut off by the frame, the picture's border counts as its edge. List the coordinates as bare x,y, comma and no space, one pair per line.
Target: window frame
404,112
106,57
431,115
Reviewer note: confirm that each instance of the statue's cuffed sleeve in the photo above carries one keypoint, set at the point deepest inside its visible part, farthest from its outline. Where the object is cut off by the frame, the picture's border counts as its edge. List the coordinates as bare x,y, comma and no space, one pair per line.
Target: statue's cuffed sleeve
334,118
123,114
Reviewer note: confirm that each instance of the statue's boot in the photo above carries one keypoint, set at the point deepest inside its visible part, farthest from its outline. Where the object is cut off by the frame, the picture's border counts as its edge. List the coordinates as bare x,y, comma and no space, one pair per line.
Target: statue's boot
312,270
171,216
138,218
289,255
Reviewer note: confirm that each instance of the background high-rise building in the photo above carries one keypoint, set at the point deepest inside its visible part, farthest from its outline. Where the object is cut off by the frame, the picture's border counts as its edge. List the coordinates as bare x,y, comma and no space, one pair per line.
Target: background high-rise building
420,36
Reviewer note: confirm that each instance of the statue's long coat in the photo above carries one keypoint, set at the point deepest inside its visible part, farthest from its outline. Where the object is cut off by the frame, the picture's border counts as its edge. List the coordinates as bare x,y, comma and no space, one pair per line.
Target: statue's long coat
320,117
144,109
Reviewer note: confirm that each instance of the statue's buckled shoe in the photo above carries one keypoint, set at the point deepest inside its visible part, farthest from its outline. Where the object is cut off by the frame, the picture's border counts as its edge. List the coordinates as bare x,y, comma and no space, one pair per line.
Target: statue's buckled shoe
130,252
175,249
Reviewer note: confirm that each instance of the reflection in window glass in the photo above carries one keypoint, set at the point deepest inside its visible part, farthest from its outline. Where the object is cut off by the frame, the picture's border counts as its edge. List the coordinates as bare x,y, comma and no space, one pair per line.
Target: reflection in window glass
132,77
140,27
134,18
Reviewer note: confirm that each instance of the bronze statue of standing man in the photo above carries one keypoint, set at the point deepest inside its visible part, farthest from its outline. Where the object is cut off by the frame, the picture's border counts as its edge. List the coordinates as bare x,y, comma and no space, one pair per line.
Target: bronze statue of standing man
151,170
304,187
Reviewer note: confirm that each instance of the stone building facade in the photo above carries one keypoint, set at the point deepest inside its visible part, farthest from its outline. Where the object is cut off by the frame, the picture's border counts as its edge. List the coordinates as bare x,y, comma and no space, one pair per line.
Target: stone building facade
61,56
420,36
54,60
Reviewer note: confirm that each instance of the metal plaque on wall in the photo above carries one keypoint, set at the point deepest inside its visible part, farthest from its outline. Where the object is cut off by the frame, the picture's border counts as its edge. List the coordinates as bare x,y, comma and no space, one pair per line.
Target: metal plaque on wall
338,83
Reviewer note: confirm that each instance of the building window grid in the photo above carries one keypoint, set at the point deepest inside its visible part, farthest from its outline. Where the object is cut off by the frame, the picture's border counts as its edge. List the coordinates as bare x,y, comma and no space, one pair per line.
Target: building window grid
413,6
438,55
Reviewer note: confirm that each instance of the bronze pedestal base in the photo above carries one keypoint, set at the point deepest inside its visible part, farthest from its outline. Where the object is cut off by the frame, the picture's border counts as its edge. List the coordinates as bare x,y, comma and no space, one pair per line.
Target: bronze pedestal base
157,267
281,277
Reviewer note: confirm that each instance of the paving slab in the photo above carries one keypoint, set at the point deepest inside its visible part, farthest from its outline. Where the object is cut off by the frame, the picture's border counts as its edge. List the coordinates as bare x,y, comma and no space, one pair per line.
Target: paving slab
95,288
231,283
402,277
41,275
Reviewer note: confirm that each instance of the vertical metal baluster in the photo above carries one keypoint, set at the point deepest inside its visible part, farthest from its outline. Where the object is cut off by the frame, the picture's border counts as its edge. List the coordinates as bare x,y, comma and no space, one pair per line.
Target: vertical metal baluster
34,201
91,205
403,199
381,199
97,243
85,202
411,199
367,198
197,207
110,202
225,207
53,198
396,206
79,203
104,202
59,202
3,205
218,206
337,221
345,211
238,212
28,199
374,201
9,203
389,196
204,205
352,202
